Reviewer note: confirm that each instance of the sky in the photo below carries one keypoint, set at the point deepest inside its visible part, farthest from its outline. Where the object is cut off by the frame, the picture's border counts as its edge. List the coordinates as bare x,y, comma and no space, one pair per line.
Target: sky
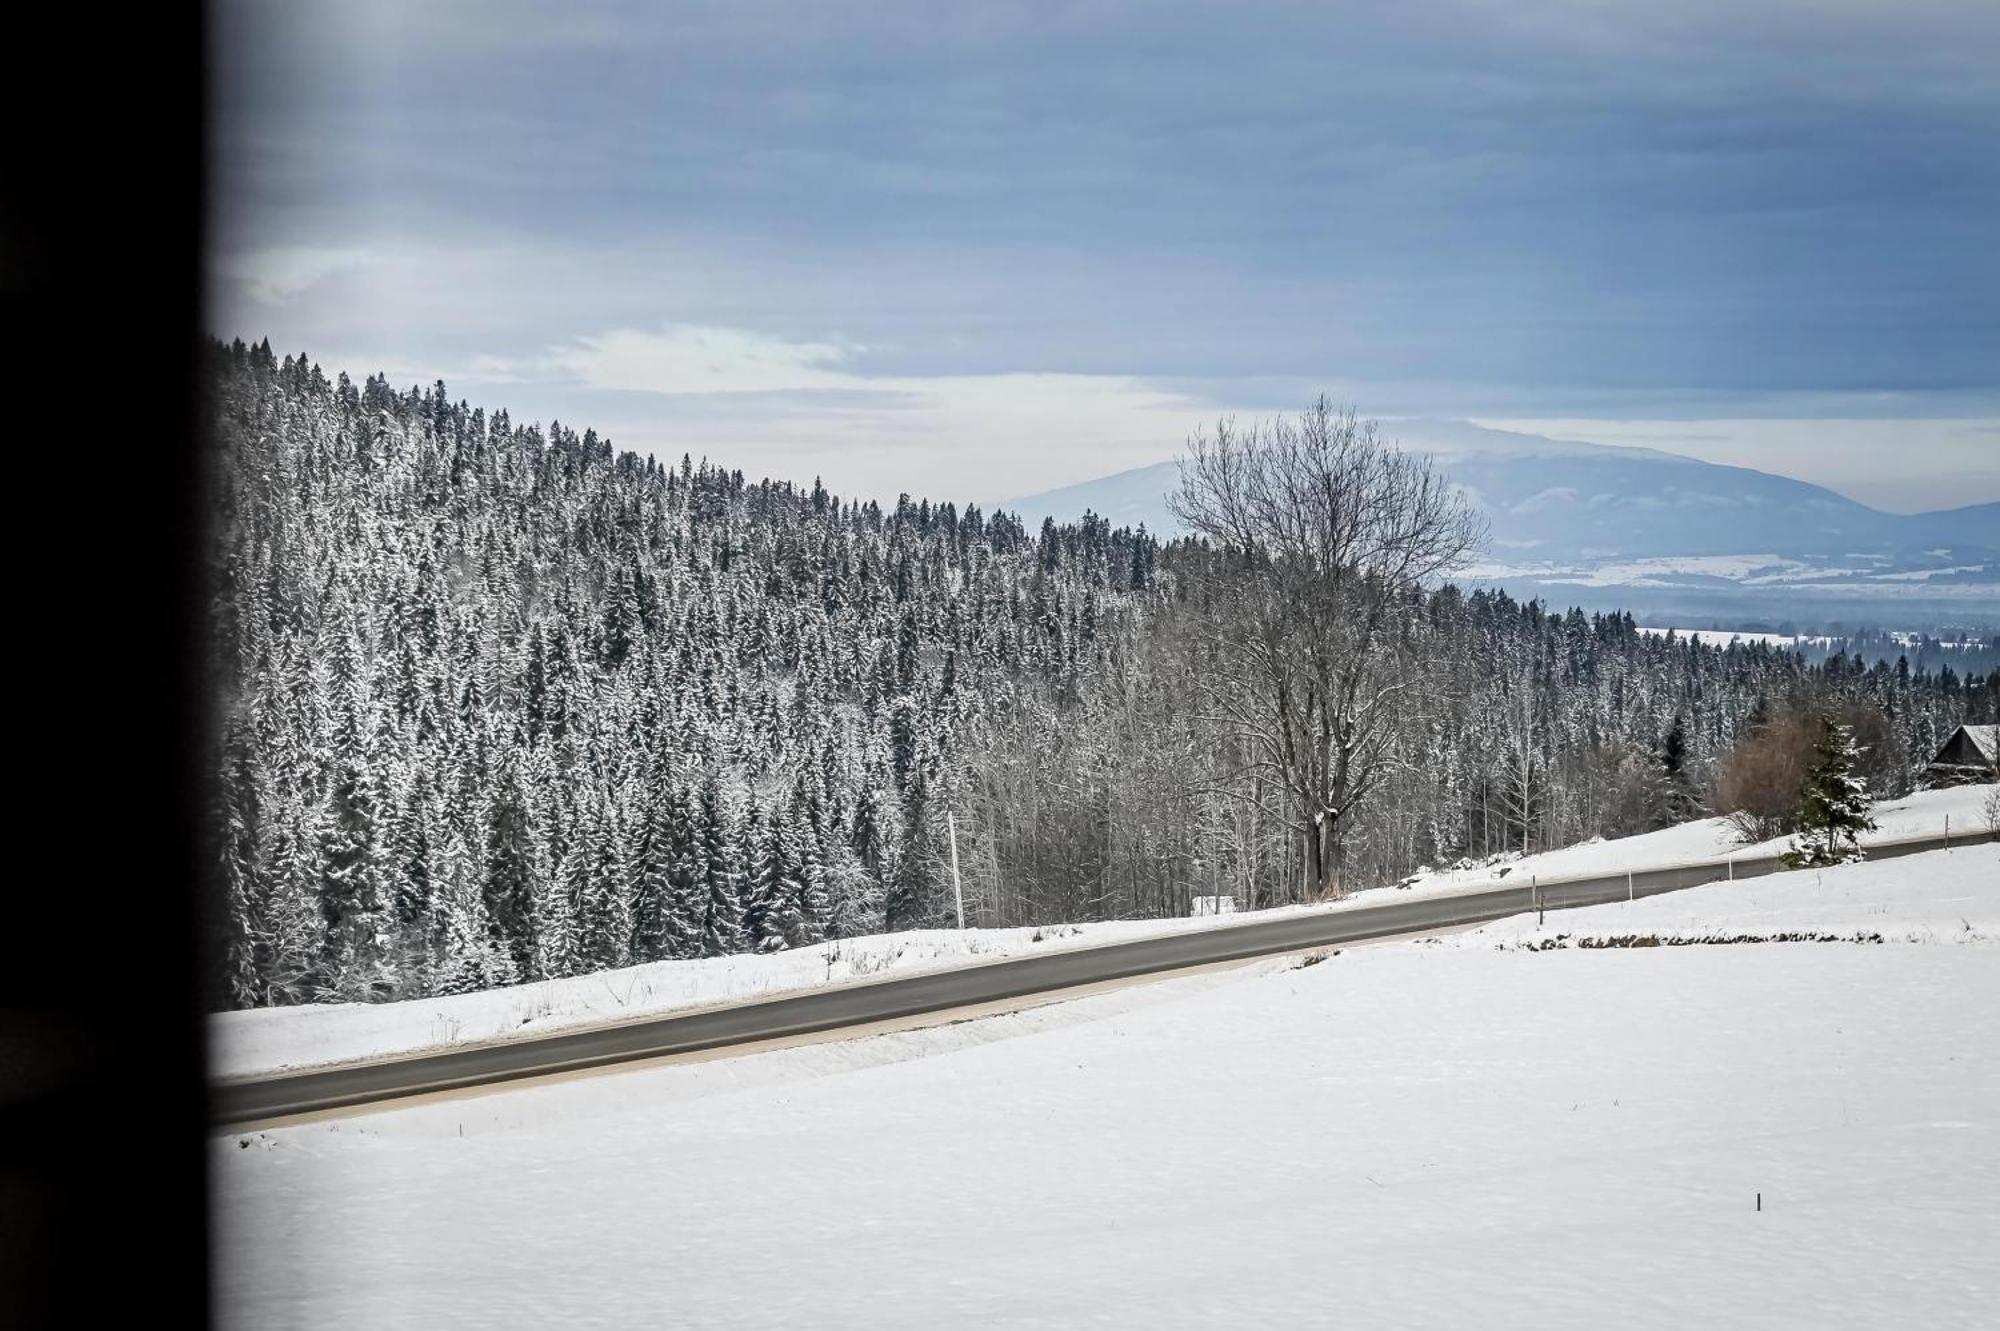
978,251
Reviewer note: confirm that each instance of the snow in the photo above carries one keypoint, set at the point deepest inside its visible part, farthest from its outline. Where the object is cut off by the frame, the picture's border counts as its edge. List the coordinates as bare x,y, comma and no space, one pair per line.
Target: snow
1926,574
1644,572
1922,814
270,1039
1405,1134
1747,570
1723,637
1951,897
1986,739
1909,639
1808,574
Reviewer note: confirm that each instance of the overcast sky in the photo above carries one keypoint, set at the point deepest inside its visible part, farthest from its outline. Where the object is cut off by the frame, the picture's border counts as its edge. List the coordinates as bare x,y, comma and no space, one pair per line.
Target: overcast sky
976,251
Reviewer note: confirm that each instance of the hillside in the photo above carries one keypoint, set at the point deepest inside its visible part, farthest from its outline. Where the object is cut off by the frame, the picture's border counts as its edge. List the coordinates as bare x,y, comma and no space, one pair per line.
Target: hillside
502,704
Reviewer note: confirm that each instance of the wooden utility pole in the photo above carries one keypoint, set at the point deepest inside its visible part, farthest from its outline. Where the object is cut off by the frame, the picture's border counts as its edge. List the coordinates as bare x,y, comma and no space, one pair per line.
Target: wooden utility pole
957,889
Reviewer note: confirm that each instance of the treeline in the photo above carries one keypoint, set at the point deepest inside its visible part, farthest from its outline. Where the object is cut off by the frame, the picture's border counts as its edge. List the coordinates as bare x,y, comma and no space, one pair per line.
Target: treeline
498,703
1965,650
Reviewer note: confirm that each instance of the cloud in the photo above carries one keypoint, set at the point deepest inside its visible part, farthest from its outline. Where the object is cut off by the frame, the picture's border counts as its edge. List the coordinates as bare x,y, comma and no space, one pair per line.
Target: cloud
276,274
791,408
690,358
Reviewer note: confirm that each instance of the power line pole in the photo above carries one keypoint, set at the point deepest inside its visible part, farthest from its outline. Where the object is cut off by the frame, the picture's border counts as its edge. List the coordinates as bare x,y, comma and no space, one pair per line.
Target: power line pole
957,889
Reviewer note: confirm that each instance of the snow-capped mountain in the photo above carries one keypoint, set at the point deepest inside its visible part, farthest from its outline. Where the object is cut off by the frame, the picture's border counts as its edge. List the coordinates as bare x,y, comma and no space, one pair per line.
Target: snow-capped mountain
1579,522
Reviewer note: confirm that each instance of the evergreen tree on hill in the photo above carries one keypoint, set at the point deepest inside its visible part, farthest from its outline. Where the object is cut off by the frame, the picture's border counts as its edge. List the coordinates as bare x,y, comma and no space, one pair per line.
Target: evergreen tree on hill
1833,803
772,918
1678,801
722,868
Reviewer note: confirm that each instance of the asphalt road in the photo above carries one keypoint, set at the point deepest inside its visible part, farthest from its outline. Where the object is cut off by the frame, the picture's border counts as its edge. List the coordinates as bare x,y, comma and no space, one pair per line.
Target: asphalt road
240,1101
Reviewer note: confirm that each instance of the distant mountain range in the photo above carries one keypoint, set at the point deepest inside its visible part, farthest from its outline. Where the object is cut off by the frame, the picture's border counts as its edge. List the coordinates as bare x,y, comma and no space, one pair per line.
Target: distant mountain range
1662,535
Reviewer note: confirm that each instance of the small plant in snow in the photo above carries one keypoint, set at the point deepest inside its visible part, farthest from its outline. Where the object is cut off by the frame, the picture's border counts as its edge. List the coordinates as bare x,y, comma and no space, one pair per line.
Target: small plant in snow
1833,803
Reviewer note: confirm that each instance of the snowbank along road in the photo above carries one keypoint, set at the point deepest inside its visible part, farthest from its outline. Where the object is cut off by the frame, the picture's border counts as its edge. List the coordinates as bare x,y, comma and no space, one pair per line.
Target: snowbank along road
267,1099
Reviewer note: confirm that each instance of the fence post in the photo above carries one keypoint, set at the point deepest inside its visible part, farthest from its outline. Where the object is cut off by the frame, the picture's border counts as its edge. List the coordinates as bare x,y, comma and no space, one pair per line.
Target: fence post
1628,884
1535,890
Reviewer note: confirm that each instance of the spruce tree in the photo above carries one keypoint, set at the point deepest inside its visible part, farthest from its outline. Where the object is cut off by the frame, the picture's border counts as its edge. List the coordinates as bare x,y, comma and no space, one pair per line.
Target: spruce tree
686,904
511,888
352,900
465,956
289,930
604,903
721,863
772,919
652,868
1678,802
1833,802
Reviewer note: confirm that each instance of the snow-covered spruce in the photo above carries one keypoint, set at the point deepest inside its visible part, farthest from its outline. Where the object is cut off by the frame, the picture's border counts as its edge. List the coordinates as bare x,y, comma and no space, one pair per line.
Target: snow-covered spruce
1833,803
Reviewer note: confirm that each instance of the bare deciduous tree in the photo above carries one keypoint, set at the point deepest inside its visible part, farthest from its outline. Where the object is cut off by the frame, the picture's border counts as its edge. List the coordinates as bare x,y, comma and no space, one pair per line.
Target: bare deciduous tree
1327,530
1758,788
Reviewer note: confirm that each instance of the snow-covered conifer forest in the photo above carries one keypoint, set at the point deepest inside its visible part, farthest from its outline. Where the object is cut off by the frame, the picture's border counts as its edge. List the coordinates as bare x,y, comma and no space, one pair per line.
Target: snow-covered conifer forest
496,702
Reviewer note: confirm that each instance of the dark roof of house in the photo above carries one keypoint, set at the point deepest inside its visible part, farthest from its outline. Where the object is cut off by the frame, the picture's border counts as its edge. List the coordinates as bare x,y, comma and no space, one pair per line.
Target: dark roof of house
1985,741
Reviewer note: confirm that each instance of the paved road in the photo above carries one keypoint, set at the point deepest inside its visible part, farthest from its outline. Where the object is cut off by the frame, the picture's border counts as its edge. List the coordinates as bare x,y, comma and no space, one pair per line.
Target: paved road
240,1101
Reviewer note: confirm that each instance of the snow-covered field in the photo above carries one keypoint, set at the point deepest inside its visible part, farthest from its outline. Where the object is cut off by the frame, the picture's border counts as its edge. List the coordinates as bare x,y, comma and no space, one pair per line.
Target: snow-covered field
1936,897
1747,570
1449,1133
273,1038
1723,637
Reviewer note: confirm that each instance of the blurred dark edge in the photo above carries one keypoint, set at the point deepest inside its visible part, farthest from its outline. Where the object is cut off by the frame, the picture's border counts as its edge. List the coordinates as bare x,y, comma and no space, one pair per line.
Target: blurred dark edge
103,1187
